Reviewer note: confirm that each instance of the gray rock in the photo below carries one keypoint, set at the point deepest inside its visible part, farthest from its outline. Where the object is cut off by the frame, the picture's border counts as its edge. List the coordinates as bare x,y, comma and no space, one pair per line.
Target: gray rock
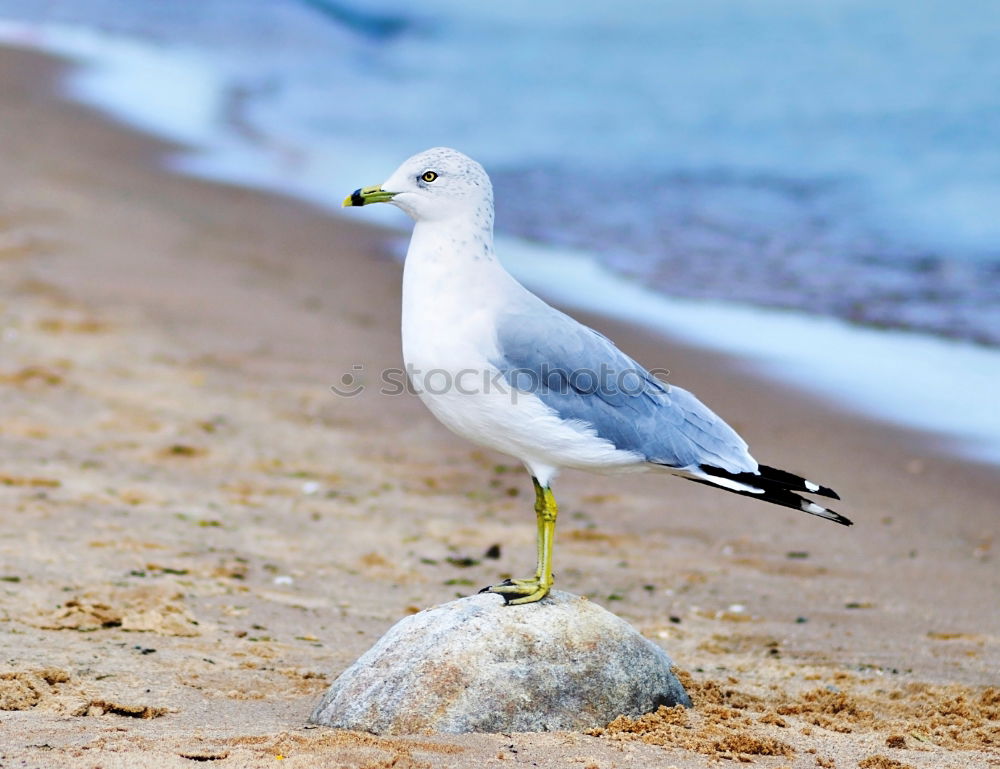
476,665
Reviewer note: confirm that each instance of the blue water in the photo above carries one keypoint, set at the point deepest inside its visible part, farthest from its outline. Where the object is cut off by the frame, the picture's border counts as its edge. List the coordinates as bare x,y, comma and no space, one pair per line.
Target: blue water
840,158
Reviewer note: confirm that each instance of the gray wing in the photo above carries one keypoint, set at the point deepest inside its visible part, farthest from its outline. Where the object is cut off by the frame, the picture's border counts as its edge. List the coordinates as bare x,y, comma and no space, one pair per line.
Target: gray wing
581,375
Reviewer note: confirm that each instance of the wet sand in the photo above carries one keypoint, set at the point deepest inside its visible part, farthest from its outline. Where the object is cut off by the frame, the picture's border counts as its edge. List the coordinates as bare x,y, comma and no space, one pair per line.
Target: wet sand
197,535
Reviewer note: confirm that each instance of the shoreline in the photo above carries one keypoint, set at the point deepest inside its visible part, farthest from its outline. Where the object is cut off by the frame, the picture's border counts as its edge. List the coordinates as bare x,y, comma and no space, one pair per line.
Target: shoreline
174,450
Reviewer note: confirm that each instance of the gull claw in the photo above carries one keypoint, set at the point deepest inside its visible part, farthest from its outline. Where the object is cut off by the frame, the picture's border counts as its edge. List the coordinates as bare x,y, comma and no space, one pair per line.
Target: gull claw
519,591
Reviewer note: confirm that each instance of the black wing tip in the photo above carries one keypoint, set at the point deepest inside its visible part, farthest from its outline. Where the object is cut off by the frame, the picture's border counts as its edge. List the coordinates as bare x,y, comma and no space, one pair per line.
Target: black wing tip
821,512
787,498
795,482
776,487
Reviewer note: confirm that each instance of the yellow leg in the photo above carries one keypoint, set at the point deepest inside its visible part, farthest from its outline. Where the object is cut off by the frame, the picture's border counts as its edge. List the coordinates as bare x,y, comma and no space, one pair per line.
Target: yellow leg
517,591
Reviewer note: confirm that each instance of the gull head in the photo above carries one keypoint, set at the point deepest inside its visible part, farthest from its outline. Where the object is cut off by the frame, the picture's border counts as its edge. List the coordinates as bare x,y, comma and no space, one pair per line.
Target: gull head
435,185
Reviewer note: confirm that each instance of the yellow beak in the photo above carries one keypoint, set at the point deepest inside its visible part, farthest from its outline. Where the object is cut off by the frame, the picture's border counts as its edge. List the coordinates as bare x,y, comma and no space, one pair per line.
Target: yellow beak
367,195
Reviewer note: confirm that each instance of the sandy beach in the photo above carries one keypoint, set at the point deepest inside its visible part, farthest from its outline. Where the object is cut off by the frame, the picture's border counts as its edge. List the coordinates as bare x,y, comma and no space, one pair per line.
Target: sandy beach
197,535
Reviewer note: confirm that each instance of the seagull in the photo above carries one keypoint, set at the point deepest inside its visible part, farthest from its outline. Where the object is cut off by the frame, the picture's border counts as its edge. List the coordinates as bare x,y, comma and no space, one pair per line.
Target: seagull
500,367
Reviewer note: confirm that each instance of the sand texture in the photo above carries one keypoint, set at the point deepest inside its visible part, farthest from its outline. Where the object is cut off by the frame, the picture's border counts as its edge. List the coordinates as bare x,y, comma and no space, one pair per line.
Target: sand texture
197,535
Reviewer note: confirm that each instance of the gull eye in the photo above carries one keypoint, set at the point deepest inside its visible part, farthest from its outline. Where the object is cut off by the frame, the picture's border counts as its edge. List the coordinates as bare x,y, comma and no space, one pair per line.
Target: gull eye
429,176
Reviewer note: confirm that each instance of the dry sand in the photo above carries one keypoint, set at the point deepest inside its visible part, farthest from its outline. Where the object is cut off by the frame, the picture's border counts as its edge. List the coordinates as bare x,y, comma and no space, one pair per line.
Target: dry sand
196,535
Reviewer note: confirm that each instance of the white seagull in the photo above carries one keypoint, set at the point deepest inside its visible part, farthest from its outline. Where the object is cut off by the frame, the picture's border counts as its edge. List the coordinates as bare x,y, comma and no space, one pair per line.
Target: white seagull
499,366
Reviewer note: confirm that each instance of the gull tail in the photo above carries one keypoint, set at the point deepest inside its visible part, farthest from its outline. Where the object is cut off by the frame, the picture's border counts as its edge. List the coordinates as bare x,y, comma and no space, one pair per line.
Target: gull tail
772,485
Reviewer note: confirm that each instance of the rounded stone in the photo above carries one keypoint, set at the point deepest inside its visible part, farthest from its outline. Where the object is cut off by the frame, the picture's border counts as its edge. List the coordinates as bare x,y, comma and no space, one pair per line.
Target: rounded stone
477,665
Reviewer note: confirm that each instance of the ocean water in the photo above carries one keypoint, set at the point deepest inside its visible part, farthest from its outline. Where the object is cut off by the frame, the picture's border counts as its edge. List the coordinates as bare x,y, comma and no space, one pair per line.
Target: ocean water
839,159
842,158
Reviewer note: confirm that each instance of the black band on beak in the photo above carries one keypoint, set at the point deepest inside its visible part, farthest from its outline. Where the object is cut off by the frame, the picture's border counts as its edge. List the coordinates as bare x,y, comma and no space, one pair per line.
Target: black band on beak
356,199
